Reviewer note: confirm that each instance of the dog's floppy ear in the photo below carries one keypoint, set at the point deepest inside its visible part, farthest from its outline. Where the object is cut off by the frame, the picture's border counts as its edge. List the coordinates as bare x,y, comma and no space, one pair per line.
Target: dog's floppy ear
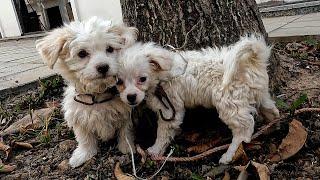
160,62
54,46
129,34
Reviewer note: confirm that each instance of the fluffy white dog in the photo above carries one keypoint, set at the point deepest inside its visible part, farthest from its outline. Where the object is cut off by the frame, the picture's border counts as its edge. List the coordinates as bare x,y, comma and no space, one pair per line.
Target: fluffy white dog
85,54
232,79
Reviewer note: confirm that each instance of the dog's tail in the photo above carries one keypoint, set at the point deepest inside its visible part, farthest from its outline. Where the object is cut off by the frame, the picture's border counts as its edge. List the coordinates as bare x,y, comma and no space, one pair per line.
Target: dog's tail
250,53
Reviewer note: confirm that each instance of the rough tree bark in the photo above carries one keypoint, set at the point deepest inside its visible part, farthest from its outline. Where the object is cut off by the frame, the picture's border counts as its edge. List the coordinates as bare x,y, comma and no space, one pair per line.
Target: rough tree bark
193,24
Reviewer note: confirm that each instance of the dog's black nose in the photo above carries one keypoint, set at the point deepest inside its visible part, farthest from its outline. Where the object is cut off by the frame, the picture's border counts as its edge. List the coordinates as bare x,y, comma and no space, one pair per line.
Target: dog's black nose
132,98
103,69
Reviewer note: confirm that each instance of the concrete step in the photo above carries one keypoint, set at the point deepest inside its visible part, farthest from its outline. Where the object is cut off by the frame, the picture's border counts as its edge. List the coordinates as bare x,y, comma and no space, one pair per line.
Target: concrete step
297,8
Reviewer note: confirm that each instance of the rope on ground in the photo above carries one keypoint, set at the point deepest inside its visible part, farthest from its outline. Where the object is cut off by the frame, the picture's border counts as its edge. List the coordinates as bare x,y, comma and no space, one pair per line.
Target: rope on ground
299,111
223,147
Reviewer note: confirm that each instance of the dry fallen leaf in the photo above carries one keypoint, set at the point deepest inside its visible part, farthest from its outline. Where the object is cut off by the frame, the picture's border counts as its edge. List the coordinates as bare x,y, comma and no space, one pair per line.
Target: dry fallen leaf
263,171
22,145
6,168
240,154
120,175
7,149
292,143
253,170
253,145
226,176
28,123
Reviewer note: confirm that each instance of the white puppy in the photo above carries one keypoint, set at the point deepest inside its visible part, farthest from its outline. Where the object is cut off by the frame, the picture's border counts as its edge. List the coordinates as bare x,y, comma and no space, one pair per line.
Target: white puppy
232,79
85,54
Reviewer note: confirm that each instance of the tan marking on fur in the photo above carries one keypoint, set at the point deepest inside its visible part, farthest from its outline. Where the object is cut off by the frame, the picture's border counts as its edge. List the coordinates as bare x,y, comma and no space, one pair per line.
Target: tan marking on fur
121,88
155,65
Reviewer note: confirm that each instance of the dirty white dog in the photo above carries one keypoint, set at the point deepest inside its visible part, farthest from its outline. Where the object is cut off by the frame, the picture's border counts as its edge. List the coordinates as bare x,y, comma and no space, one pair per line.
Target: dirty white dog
85,54
232,79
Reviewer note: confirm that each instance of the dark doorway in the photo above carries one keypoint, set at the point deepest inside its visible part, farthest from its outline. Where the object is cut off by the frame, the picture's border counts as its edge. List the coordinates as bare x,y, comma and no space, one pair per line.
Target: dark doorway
29,22
54,16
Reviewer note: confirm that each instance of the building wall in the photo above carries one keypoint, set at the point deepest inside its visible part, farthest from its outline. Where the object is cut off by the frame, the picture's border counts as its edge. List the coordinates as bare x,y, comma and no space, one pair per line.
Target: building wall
9,23
109,9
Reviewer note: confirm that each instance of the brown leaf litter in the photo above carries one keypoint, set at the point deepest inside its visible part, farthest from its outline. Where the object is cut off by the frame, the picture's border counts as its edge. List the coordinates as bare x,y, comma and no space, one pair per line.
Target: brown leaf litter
6,168
292,143
240,155
118,173
6,148
253,170
30,121
22,145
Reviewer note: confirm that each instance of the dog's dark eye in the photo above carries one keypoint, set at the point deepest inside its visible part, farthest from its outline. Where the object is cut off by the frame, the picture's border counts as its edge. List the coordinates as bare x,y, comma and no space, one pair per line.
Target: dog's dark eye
83,54
119,82
142,79
110,49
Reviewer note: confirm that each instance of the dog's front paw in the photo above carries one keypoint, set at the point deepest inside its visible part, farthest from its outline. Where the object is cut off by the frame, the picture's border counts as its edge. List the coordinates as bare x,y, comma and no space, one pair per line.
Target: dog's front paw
79,156
154,151
225,159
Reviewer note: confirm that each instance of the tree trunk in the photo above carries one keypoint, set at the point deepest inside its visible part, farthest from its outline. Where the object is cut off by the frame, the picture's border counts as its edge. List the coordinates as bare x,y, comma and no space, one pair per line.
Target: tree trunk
194,24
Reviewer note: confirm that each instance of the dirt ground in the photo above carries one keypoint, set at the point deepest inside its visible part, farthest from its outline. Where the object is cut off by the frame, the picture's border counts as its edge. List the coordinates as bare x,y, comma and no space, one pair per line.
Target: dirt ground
53,145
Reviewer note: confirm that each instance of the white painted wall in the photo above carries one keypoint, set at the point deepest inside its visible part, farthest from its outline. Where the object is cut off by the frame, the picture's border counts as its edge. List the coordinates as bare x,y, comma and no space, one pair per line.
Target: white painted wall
8,20
109,9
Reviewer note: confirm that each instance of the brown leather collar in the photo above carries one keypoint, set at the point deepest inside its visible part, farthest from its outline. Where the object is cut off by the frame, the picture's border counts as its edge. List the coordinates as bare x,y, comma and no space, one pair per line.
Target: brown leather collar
91,99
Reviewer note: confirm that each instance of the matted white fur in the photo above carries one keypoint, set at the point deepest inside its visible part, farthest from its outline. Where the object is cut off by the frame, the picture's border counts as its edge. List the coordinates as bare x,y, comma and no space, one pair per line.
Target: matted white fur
77,51
232,79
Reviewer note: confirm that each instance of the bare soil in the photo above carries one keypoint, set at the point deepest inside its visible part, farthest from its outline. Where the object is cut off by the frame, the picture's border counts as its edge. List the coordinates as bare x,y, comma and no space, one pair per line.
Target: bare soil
48,157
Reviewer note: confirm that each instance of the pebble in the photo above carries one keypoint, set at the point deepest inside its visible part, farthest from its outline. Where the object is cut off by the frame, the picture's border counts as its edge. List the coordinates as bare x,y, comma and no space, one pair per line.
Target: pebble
217,170
88,164
45,169
20,156
205,168
317,123
64,165
67,145
90,176
3,121
164,178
